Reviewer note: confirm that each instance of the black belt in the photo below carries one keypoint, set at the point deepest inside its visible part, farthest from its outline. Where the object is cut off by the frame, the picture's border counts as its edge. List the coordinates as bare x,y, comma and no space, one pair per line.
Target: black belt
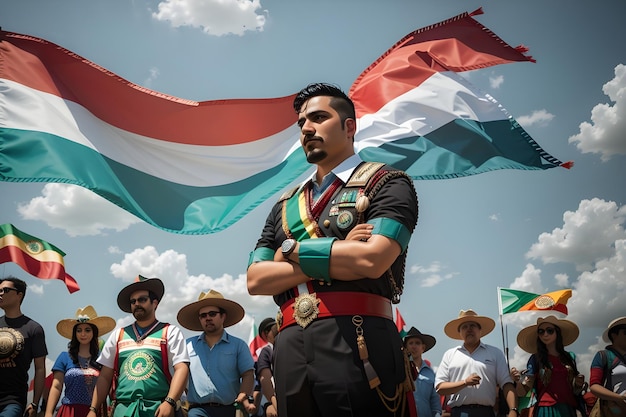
196,405
473,406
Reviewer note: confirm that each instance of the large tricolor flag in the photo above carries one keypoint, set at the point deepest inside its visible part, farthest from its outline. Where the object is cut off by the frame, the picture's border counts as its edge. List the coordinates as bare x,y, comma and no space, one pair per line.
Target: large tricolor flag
193,167
512,301
33,255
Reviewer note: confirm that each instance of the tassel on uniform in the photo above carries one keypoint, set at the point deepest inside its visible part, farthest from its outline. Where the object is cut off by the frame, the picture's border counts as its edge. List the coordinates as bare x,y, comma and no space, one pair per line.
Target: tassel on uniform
372,377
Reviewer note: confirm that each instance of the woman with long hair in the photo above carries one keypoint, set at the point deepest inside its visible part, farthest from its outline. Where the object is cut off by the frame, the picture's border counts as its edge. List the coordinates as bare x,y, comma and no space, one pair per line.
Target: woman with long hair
551,370
77,368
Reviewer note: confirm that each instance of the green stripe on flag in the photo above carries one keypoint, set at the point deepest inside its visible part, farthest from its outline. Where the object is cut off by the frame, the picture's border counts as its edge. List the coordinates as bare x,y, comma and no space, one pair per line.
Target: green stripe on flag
513,300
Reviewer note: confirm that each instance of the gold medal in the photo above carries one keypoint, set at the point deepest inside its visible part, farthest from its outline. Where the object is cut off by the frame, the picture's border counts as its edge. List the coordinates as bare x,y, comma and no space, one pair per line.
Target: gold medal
305,309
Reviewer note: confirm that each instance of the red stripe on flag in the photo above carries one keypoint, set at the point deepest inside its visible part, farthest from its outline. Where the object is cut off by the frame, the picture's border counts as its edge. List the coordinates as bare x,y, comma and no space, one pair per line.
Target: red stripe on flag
457,44
45,66
43,270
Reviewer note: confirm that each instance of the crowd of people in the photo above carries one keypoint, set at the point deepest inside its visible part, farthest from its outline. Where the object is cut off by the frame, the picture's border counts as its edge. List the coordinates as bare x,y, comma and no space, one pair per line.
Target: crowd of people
332,254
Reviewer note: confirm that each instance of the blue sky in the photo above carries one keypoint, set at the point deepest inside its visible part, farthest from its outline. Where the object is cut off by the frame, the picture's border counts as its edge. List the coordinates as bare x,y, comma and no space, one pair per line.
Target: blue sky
534,231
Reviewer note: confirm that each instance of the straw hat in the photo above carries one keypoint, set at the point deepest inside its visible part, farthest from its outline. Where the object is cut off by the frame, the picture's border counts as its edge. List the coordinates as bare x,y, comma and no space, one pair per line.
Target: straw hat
527,337
85,315
617,322
188,315
428,340
452,328
141,283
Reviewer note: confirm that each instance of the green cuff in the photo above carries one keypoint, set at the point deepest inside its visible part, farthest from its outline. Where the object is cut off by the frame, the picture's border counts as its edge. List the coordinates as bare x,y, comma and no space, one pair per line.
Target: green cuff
392,229
314,257
259,255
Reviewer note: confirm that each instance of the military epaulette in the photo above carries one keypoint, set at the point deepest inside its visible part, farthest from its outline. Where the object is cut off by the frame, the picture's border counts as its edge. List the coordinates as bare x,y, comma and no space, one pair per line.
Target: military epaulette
288,194
363,173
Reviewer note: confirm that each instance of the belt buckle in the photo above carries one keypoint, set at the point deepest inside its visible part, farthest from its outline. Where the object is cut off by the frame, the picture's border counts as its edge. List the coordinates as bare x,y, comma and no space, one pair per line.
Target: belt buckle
305,309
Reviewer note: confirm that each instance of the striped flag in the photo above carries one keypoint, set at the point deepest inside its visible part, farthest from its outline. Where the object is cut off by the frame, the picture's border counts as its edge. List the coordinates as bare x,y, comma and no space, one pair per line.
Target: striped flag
512,301
255,342
33,255
400,324
192,167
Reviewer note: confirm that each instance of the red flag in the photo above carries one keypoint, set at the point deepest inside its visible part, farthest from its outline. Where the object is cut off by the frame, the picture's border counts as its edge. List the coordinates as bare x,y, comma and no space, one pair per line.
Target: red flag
400,323
33,255
255,342
47,383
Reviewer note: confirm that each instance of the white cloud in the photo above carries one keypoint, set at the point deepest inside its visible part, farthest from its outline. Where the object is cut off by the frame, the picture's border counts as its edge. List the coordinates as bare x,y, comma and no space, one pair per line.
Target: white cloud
588,235
538,117
605,133
496,81
154,74
529,281
35,288
598,292
429,276
114,250
76,210
495,217
562,280
215,17
182,288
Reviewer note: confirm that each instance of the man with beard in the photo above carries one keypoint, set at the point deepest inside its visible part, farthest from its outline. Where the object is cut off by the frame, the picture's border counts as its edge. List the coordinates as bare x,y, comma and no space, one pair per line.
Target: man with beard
222,368
146,361
332,253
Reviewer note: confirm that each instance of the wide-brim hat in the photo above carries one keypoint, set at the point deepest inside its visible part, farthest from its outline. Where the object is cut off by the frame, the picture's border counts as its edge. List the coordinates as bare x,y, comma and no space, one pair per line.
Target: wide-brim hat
85,315
428,340
141,283
188,315
452,327
527,337
618,321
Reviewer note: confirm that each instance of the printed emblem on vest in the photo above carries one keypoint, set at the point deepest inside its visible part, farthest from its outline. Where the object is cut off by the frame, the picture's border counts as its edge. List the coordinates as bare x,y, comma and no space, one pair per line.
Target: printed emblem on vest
11,345
139,366
345,220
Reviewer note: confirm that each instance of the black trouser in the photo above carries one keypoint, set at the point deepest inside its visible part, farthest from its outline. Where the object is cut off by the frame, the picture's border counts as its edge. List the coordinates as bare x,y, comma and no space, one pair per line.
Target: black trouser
473,410
318,372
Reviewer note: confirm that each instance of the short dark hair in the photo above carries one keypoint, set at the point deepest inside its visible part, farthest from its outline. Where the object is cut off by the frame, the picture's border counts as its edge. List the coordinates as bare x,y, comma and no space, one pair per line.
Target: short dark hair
615,330
339,100
19,285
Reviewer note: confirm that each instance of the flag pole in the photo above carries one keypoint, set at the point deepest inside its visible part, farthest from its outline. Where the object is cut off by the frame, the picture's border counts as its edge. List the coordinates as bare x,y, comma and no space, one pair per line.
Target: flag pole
505,348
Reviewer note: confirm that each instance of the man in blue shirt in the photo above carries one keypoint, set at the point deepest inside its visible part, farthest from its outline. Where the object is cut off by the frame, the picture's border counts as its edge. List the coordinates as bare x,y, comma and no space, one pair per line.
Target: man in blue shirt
221,370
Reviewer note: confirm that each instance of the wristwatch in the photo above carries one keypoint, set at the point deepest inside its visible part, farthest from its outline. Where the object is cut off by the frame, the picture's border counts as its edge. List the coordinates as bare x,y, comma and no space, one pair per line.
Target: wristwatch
250,399
288,246
170,401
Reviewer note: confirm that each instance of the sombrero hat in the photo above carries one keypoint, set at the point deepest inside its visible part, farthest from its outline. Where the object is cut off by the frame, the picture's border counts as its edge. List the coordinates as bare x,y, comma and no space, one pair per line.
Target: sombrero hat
141,283
527,337
617,322
428,340
85,315
452,328
188,315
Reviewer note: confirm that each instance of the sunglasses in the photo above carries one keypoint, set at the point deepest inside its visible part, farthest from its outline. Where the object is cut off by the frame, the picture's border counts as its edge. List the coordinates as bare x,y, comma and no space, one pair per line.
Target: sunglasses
140,300
209,314
549,330
7,289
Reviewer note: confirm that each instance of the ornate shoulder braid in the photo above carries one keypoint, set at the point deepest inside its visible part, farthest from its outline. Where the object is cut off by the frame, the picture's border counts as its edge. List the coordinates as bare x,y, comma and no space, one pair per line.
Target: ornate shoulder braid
376,177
